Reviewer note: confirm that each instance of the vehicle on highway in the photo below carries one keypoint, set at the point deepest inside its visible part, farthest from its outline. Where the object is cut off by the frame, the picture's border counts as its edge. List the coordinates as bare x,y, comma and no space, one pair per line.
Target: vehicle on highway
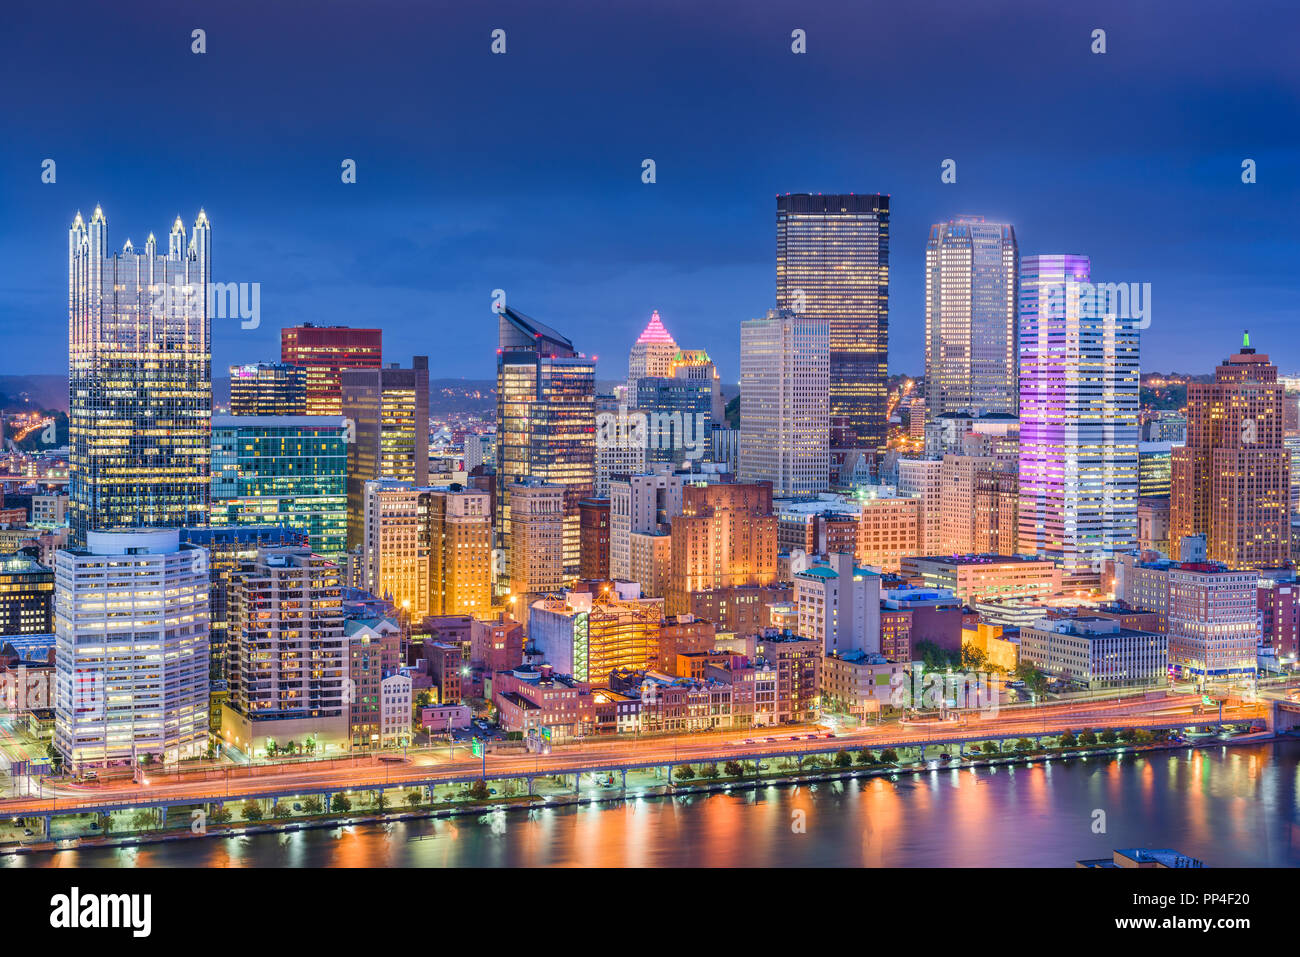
829,734
749,741
772,740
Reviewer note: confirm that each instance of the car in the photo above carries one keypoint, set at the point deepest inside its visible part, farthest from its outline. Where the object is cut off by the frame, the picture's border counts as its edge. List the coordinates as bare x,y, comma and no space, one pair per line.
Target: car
297,807
829,734
91,775
749,741
94,825
28,832
945,757
772,740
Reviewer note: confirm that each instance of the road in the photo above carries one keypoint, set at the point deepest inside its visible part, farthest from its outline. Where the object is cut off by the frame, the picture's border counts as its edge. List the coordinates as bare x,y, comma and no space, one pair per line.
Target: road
692,748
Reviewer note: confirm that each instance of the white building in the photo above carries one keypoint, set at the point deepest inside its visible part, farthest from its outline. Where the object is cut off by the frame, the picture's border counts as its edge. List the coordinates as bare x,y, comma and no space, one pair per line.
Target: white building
395,711
1096,652
839,605
131,652
645,504
651,355
784,403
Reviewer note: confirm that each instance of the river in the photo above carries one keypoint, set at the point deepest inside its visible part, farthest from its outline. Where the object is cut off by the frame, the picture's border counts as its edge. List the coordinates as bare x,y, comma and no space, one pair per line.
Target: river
1228,806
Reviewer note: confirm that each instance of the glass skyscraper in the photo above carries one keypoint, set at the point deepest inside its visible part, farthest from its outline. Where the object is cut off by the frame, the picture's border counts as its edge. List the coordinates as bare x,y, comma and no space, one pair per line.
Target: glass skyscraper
1078,419
832,264
546,424
139,379
286,470
971,270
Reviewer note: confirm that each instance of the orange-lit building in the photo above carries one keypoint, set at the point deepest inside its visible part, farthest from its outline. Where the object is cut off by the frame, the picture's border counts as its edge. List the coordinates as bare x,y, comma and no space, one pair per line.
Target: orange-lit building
725,537
324,352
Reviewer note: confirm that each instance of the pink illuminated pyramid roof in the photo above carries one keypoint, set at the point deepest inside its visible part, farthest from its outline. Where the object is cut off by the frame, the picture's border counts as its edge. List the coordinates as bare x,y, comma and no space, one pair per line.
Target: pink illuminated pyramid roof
655,331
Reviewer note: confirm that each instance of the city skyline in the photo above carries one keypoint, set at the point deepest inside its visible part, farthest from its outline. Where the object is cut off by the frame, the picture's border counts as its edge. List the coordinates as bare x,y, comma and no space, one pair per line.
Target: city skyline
407,248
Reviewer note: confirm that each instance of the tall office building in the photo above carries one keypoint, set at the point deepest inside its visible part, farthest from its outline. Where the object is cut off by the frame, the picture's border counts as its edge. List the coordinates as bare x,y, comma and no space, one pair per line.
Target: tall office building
324,352
1231,481
724,537
428,550
679,419
832,264
387,411
971,363
641,511
651,355
1078,419
1213,621
26,597
139,379
922,479
282,470
131,649
268,388
537,543
287,661
694,365
546,425
784,422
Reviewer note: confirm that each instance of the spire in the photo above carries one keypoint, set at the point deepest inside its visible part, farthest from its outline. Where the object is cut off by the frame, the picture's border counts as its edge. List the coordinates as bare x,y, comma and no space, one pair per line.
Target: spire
655,331
98,214
1245,339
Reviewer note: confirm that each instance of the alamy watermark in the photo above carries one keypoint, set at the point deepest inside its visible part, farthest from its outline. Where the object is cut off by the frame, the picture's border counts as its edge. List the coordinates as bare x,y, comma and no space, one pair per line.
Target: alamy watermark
1127,301
935,690
224,300
687,432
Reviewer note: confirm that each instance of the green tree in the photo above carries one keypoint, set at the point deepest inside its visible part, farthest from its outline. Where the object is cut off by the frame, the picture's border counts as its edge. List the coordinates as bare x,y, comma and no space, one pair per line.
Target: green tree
280,811
888,756
1088,738
1109,737
219,815
974,659
413,799
1068,740
866,757
478,791
312,805
143,820
990,747
685,772
709,771
341,804
1034,679
251,811
105,822
733,769
1128,734
380,802
843,759
934,657
1024,744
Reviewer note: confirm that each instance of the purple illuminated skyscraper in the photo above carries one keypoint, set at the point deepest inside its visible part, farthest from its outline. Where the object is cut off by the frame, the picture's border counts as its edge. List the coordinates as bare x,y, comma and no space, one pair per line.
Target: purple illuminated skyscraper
1078,419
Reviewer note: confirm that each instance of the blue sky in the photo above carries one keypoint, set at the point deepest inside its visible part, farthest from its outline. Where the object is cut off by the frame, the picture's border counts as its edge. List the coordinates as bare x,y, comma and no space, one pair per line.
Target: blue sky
523,171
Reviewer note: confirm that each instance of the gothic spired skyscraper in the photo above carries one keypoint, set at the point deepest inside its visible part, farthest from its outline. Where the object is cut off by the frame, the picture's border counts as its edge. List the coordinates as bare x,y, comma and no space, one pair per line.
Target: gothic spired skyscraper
139,379
832,263
970,317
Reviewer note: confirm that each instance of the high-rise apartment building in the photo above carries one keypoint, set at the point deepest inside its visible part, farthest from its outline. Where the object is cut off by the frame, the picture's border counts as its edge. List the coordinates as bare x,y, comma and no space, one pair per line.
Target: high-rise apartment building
643,504
139,378
546,425
724,537
387,411
832,265
784,419
1231,481
268,388
324,352
131,649
287,662
971,272
594,519
1078,419
288,470
922,479
1214,626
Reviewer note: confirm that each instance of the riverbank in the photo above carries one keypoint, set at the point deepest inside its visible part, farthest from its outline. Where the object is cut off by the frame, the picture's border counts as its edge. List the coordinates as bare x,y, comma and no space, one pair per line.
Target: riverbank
604,795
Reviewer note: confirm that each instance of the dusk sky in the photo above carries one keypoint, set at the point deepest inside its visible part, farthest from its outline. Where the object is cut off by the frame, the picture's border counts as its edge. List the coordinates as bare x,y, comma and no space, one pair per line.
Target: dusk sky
523,171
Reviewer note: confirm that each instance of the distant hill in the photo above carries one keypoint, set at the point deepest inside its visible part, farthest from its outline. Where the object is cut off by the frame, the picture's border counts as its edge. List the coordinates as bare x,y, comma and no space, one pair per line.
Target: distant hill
42,391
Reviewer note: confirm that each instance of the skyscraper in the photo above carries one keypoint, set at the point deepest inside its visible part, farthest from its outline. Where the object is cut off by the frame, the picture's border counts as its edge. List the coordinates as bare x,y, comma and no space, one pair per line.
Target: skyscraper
1231,481
784,425
324,352
832,264
387,411
268,388
651,355
1078,419
139,379
135,682
546,424
971,271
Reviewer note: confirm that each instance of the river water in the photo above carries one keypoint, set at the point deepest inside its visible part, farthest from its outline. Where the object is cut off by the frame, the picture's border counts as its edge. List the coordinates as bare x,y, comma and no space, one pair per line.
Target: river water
1237,806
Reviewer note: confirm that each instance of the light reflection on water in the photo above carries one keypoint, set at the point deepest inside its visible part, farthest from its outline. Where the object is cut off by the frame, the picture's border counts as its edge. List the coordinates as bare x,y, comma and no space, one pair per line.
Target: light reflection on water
1227,806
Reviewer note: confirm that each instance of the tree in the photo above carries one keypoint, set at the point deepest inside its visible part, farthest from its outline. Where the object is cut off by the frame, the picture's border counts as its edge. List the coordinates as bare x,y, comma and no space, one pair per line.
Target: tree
312,805
1088,738
478,791
934,657
1109,737
280,811
974,659
685,772
1128,734
413,799
251,811
290,748
1024,744
146,759
866,757
1068,740
143,819
341,803
1034,679
888,756
709,771
380,802
990,747
733,769
105,822
843,759
219,815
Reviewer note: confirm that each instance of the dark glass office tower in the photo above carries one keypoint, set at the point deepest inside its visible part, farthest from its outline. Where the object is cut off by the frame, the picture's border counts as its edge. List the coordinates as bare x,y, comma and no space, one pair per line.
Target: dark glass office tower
832,263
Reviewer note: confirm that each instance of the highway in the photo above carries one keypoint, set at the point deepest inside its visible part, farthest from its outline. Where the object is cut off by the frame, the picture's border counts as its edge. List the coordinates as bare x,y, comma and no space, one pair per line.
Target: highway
610,753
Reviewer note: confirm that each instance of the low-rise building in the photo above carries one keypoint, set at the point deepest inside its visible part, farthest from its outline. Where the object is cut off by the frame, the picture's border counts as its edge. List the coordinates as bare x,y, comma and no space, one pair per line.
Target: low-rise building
1095,652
